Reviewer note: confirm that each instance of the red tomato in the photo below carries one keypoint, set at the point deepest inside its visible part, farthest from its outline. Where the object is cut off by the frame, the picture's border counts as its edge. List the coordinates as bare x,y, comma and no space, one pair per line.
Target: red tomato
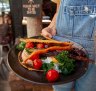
40,46
34,57
37,63
52,75
29,45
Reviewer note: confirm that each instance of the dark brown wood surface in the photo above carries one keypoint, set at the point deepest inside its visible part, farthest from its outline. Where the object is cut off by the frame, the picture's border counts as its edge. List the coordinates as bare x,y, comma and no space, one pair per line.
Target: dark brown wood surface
18,84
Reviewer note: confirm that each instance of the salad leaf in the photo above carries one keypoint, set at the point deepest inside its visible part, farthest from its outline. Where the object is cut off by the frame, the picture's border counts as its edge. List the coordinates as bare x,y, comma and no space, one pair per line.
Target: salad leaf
21,46
66,64
47,66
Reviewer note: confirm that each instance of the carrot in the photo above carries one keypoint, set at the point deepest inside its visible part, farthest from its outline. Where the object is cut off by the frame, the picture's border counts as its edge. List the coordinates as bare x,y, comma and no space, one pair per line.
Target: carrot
45,41
42,51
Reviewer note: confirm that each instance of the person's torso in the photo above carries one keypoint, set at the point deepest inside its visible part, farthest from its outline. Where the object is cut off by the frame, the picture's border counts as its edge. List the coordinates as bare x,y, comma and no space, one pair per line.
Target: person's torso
77,21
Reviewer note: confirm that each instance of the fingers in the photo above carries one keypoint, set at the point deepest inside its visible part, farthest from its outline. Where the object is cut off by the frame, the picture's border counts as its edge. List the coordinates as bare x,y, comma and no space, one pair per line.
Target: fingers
53,32
48,32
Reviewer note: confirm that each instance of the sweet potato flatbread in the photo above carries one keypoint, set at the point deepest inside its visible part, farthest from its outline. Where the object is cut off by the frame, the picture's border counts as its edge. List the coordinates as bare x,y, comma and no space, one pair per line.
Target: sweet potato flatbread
28,55
49,53
27,63
45,41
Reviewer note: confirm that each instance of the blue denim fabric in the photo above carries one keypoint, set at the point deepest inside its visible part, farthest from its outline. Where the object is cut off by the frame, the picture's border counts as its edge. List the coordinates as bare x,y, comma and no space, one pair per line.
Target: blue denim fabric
76,22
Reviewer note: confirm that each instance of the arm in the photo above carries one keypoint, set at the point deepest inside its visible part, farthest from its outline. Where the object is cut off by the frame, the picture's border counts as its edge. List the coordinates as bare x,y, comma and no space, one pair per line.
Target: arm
53,22
51,29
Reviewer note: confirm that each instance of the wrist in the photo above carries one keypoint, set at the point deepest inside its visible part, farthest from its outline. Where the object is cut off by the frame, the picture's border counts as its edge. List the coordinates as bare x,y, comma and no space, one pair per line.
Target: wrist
52,26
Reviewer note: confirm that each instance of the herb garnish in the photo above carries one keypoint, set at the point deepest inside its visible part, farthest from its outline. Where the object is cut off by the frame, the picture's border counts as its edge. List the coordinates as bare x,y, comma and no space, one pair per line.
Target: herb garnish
66,64
47,66
21,46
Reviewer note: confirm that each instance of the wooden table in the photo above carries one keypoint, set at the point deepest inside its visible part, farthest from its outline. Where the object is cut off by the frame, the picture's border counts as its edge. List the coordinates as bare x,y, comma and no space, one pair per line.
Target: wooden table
18,84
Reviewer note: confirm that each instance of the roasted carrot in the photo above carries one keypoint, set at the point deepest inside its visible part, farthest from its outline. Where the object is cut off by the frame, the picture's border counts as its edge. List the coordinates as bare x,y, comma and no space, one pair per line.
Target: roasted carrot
45,41
42,51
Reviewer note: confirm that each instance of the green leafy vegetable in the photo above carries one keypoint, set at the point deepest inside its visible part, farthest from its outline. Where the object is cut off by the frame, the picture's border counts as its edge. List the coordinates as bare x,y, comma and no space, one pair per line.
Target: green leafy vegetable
47,66
66,64
29,50
21,46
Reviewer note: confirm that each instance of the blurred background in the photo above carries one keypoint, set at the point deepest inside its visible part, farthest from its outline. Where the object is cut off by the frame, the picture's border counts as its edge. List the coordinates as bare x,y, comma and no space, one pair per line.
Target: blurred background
14,25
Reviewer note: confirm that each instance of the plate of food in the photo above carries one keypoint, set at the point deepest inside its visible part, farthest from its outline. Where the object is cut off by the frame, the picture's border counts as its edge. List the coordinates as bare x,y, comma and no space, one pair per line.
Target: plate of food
46,61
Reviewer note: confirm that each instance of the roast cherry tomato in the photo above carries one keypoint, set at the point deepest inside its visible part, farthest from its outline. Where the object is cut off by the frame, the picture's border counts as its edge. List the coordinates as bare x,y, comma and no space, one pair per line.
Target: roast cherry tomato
37,63
52,75
29,45
40,46
34,57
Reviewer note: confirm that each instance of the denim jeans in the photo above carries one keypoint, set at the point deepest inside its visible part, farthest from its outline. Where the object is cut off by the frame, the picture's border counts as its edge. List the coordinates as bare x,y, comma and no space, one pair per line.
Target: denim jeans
76,22
85,83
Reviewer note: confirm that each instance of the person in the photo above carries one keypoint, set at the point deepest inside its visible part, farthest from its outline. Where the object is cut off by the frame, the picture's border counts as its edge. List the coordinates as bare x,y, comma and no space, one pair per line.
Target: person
75,20
56,1
7,19
8,23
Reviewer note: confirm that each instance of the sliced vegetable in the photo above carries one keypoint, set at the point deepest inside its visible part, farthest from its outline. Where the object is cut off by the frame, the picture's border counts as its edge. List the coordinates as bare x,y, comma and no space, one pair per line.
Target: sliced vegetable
34,57
37,64
54,59
40,46
29,45
52,75
42,51
29,62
